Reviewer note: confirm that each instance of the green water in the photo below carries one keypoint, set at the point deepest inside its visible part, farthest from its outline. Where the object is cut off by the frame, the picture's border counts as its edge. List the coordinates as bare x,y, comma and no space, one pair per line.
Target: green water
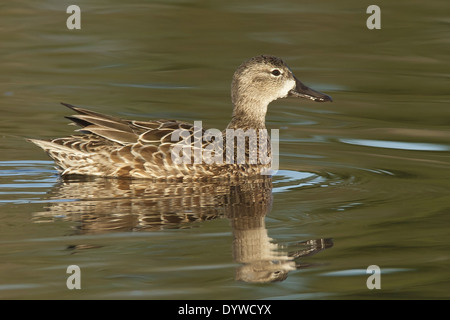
363,180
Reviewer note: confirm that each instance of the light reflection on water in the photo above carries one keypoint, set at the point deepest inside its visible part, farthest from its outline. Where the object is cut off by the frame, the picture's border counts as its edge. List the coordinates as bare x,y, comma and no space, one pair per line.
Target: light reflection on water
398,145
369,171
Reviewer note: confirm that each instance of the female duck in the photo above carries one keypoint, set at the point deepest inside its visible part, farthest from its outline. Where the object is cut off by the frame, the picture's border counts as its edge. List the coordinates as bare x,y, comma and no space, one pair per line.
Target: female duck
113,147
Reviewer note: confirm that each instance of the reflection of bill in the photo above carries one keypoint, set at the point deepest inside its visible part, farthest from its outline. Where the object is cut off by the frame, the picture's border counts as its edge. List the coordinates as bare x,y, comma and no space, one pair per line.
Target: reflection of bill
229,147
262,259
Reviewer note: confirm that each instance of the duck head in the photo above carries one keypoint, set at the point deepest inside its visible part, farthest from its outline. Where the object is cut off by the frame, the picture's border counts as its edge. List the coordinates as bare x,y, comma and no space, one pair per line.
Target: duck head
261,80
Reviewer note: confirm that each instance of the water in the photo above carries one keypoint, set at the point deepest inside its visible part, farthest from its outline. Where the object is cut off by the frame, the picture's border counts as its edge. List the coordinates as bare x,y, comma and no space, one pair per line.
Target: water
363,180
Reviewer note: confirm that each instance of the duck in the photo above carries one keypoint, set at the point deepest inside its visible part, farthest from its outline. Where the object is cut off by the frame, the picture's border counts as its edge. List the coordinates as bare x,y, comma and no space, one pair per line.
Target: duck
112,147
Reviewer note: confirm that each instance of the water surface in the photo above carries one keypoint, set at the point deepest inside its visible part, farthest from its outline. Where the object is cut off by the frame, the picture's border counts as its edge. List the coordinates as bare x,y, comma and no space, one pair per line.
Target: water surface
363,180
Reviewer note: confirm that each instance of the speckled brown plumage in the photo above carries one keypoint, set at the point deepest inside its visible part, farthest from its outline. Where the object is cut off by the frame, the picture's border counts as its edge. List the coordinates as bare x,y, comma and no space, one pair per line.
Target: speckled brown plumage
113,147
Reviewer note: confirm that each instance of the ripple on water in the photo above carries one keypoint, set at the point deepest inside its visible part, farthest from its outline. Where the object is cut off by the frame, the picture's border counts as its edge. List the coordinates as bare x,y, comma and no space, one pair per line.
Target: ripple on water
362,272
287,180
23,181
400,145
19,179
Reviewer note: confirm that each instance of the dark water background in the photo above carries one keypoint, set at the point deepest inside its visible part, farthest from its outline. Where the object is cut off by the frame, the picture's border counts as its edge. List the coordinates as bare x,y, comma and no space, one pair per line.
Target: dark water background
363,181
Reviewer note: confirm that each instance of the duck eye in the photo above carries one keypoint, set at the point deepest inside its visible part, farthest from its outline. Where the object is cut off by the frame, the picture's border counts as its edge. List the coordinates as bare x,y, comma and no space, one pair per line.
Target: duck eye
276,72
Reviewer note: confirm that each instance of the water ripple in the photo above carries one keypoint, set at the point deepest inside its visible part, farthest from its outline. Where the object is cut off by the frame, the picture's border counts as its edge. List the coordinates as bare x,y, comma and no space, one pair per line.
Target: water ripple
417,146
23,181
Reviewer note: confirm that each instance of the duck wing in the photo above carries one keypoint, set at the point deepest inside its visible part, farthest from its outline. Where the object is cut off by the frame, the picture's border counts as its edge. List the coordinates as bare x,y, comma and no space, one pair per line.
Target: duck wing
111,146
126,132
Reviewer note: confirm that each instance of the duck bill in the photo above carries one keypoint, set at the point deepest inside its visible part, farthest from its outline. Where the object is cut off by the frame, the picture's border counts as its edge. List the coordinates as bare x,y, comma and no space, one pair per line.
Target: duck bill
302,91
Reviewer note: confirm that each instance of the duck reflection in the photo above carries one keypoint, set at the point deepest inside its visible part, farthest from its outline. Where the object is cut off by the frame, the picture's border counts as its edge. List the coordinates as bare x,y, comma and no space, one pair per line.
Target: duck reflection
112,205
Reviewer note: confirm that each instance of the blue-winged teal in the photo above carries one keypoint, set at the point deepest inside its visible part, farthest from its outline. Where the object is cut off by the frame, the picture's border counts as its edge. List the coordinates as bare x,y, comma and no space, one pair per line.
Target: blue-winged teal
113,147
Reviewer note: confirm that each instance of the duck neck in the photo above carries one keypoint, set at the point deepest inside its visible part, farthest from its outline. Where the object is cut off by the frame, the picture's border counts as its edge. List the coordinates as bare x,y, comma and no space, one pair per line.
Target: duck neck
248,113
